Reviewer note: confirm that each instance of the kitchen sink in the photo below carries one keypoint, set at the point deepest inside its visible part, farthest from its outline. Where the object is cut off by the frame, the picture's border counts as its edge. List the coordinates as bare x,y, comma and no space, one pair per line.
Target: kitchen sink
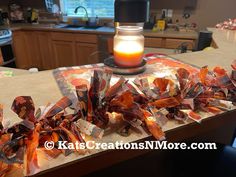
79,27
71,26
90,27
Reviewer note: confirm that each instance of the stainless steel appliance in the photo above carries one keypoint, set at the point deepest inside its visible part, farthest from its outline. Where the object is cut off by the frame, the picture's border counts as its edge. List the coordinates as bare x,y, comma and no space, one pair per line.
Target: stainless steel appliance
6,51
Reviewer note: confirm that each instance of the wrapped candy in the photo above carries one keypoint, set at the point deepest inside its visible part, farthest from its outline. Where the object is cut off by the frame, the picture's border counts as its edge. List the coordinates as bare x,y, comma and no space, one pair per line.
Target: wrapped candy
222,104
126,105
31,163
233,75
61,105
203,75
1,119
195,90
219,71
166,103
159,115
165,86
144,86
89,129
23,106
228,24
193,115
84,104
100,83
113,90
153,126
183,77
130,110
188,102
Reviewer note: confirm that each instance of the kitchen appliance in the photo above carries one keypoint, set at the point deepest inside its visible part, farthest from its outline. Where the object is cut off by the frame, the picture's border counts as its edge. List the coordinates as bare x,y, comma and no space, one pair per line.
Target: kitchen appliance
6,51
204,40
132,11
128,12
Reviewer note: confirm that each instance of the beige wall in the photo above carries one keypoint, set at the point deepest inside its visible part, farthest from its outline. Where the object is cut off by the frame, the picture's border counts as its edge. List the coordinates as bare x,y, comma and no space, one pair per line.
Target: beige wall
206,13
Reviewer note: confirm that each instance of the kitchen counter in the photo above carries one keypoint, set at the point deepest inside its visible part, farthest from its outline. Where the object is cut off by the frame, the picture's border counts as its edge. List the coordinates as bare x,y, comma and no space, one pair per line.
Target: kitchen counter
103,30
16,72
43,89
222,56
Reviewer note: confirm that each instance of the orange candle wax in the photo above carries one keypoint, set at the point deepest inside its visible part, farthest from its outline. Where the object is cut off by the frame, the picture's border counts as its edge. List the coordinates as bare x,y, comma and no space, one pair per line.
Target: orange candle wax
128,55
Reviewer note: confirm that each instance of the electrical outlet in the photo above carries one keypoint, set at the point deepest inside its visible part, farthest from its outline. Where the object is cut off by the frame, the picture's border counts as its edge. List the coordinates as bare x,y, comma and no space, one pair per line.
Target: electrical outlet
170,13
164,11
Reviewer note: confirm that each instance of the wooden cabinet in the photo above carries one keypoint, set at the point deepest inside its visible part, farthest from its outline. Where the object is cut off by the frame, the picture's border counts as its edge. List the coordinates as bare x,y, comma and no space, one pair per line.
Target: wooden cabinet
49,50
46,51
168,43
86,53
32,48
175,43
64,53
22,56
153,42
74,49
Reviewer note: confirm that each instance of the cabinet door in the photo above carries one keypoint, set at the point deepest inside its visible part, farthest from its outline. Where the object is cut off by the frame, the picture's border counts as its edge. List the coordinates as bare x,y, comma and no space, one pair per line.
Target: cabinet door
32,48
153,42
45,47
64,53
175,43
20,50
86,54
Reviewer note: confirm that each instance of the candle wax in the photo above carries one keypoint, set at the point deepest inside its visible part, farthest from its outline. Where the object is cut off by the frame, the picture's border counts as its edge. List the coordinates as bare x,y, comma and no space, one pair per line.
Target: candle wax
128,54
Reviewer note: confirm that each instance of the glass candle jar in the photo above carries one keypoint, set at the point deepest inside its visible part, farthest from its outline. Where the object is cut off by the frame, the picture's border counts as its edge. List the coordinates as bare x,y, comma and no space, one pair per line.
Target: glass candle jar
128,46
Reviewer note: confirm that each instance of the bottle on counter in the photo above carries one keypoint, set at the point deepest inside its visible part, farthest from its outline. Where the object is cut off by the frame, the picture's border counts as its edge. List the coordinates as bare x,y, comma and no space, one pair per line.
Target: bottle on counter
1,19
97,20
29,14
35,16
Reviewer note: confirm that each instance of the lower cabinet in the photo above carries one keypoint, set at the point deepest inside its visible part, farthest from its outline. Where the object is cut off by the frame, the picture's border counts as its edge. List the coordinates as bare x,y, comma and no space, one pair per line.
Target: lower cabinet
23,60
64,53
86,53
33,49
46,51
49,50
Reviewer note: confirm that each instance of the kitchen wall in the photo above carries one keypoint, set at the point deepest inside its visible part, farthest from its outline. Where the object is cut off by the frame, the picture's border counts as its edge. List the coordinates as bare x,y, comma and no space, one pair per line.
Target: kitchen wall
26,3
206,13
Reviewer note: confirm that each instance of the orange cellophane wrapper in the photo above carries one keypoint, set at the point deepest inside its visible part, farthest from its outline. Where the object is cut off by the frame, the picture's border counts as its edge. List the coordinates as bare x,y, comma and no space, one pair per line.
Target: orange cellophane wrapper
153,127
31,158
214,110
203,75
219,71
233,65
166,102
125,101
161,83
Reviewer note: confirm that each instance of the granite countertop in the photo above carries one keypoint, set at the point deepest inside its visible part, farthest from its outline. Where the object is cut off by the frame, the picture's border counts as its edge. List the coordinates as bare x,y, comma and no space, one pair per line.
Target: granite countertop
102,30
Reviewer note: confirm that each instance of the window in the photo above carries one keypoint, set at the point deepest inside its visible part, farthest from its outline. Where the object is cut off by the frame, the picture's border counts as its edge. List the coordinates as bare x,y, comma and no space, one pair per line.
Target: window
100,8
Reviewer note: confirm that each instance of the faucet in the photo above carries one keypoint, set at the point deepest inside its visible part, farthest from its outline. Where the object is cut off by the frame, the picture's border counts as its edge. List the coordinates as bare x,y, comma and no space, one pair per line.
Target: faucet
77,8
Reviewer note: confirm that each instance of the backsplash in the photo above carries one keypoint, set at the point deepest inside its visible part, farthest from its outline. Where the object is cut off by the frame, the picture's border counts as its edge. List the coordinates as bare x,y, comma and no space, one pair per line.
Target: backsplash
207,13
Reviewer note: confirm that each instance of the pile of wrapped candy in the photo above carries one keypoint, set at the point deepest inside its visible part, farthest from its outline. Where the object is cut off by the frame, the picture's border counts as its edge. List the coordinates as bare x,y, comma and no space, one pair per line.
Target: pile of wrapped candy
228,24
126,105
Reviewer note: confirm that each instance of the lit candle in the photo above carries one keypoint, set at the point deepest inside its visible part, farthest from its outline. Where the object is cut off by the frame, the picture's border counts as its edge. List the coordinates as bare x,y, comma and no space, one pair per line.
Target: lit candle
128,46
